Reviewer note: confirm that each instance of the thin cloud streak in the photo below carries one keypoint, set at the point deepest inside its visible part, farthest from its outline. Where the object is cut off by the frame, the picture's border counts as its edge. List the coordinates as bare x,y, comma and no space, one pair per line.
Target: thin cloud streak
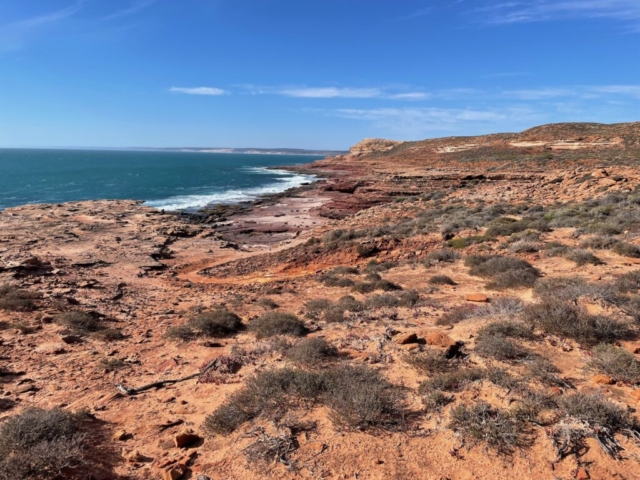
205,91
552,10
13,35
132,10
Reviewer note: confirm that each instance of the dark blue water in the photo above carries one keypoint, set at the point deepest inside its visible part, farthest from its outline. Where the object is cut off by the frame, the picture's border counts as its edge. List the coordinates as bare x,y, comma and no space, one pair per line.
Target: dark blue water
169,180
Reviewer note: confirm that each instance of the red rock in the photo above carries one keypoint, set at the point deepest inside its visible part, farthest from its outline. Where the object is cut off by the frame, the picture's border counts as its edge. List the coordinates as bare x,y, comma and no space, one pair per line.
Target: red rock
411,346
439,339
582,474
405,338
635,394
173,472
603,380
186,438
476,297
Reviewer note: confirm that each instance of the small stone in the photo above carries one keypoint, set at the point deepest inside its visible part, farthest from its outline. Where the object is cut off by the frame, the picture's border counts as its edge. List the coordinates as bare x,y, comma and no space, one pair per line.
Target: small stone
121,435
439,339
186,438
603,380
582,474
476,297
173,472
203,477
71,339
406,338
411,346
134,456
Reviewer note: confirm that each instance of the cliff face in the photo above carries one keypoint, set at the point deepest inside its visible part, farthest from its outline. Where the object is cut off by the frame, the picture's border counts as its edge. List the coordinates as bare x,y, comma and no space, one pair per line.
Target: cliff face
372,145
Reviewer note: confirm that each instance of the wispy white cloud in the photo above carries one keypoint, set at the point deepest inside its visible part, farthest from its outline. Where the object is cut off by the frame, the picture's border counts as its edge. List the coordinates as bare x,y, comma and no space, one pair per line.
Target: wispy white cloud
337,92
539,94
132,9
629,90
207,91
13,35
550,10
418,13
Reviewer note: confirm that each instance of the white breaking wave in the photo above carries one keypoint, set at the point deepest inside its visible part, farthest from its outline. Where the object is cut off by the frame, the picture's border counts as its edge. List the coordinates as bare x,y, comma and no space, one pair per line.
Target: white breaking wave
192,202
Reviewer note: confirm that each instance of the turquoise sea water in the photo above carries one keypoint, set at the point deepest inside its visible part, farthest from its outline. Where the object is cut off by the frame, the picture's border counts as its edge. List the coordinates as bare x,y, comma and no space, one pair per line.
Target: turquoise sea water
168,180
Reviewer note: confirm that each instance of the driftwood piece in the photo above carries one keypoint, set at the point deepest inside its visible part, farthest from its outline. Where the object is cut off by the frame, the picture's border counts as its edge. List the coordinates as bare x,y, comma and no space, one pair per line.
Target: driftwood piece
164,383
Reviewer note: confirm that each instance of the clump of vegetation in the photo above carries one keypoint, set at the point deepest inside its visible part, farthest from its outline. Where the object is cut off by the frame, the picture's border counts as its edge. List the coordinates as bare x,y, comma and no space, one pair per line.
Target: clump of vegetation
441,280
507,328
216,323
335,281
500,430
435,400
267,303
597,412
17,300
524,246
505,272
457,315
629,282
454,381
277,323
501,348
561,318
431,362
375,284
460,243
79,322
349,304
375,266
626,249
582,257
599,242
391,300
334,314
316,307
545,372
616,363
311,351
444,255
40,444
181,333
111,364
357,396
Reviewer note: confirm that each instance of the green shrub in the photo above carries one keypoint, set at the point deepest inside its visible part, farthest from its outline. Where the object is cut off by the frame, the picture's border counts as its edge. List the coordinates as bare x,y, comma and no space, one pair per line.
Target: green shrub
441,280
277,323
501,348
311,351
615,362
16,300
441,256
597,412
560,318
79,322
217,323
499,429
349,304
505,272
507,328
40,444
582,257
626,249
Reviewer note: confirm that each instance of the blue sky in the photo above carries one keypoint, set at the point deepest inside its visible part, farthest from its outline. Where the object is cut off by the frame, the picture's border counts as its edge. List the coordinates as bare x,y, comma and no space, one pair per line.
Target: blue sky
308,73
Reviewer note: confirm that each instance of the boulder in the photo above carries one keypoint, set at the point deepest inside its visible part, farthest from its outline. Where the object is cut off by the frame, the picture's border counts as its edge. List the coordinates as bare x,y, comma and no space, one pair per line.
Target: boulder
405,338
186,438
476,297
173,472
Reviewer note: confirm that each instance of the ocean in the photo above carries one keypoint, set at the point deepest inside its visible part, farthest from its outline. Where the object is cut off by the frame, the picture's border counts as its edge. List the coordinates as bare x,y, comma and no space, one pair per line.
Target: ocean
163,179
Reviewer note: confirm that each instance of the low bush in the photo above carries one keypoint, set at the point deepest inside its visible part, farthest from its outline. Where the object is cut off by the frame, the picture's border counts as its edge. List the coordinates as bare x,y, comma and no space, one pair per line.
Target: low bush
501,348
629,282
363,287
626,249
79,322
444,255
17,300
505,272
216,323
334,314
350,304
316,307
40,444
357,396
434,401
344,270
599,242
507,328
375,266
597,412
334,281
561,318
454,381
524,246
277,323
311,351
441,280
616,363
460,243
457,315
108,334
267,303
545,372
431,362
500,430
181,332
582,257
